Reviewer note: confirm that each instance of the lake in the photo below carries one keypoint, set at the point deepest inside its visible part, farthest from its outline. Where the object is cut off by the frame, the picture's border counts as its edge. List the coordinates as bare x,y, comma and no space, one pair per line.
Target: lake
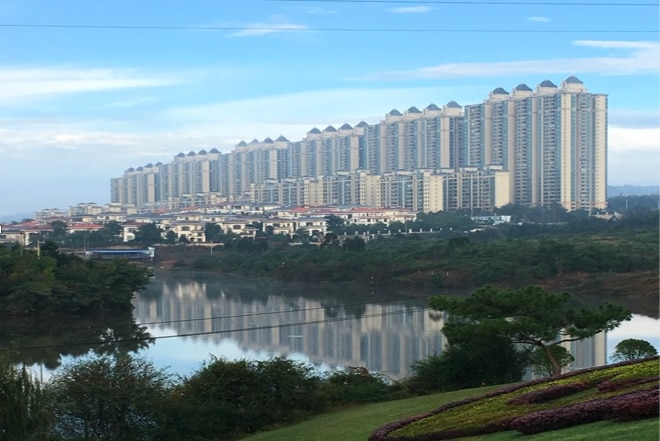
194,317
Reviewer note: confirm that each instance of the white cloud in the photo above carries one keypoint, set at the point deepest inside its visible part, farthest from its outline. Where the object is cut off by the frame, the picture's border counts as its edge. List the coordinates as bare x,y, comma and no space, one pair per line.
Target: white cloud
31,82
626,139
643,59
538,19
633,118
258,29
633,156
294,114
411,10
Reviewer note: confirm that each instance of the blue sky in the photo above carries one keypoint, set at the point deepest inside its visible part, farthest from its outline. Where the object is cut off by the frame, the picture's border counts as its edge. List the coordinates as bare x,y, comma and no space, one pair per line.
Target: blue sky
90,91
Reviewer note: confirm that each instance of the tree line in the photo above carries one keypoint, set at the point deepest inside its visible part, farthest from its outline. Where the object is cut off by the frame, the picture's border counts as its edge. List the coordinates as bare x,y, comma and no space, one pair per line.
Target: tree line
463,261
48,281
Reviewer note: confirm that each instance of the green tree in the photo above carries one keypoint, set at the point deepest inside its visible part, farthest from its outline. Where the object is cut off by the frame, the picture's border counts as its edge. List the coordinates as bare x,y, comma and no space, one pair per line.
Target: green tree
528,316
59,232
170,237
108,399
229,397
148,234
632,349
354,244
302,235
334,224
482,359
213,232
541,365
23,415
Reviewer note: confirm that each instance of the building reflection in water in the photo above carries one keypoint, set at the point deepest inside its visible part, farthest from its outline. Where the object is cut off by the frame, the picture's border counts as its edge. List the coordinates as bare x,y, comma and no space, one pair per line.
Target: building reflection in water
383,336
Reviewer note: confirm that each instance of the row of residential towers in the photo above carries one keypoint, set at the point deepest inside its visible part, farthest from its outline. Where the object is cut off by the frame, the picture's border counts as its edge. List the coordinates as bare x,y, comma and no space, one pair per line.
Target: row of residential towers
531,147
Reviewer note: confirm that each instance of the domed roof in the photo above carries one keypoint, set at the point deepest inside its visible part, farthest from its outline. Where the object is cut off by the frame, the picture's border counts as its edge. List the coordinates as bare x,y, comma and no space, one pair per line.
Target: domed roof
181,155
191,153
130,169
139,169
453,104
573,79
330,129
241,144
268,141
202,152
547,83
150,165
159,164
346,126
432,107
282,138
395,112
254,141
214,150
523,87
414,109
362,124
500,91
315,131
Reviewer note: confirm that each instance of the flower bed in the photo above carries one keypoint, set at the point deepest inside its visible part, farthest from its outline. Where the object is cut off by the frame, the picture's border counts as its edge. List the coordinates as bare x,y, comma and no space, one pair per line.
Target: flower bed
626,392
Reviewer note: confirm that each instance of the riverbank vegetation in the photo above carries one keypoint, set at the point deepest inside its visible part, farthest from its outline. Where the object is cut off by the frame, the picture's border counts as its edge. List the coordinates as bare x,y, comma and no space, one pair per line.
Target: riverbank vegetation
607,259
122,398
45,281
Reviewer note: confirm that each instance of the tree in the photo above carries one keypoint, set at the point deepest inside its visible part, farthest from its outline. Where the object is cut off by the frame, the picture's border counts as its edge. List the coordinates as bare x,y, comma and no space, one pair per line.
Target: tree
148,234
632,349
334,224
108,399
528,316
354,244
170,237
23,413
541,364
481,360
59,232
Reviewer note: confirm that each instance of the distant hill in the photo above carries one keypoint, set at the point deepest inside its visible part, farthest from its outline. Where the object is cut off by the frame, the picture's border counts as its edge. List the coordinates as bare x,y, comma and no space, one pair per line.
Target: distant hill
632,190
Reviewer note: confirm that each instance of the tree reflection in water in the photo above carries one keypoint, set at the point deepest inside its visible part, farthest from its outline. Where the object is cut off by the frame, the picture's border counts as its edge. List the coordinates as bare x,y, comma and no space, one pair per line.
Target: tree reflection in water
47,340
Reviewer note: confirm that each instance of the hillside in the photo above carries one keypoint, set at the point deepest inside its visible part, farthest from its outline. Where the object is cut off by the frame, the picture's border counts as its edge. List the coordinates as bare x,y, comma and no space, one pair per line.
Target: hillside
358,423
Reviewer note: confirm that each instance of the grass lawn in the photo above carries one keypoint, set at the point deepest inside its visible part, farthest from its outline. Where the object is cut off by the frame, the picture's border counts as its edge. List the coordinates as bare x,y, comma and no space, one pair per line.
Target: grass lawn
356,424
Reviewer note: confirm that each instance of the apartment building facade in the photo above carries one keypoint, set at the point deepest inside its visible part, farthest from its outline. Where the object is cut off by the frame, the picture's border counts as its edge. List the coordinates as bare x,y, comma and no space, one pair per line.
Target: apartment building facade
534,147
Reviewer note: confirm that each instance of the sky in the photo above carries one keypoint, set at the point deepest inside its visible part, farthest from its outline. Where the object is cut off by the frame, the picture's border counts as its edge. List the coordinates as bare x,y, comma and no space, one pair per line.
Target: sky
91,88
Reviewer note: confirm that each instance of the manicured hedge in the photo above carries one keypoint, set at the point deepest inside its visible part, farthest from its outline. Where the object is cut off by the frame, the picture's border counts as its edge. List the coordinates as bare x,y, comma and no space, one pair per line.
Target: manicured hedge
607,395
634,405
550,393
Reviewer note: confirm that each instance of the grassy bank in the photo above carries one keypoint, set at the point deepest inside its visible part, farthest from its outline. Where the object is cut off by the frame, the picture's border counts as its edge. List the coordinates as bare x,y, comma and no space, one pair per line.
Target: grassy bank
356,424
622,398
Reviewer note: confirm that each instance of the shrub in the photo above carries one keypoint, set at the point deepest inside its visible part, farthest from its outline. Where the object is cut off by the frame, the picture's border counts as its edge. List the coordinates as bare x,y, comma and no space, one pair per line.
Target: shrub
550,393
613,385
427,375
634,405
638,405
356,385
563,417
229,397
108,398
